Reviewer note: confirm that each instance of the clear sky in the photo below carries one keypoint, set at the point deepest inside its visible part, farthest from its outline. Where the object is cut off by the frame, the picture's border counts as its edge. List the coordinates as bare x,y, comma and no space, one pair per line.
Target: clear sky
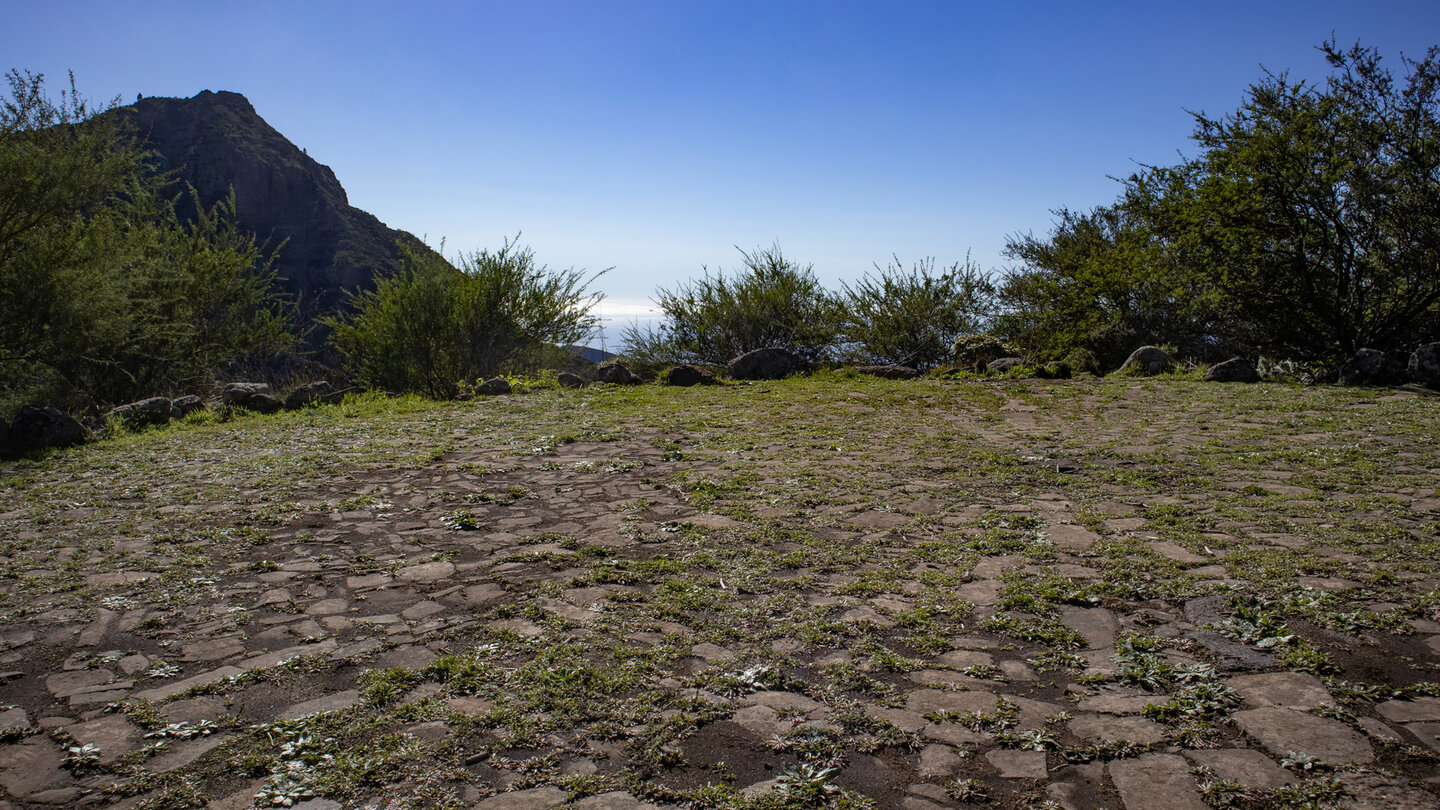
655,136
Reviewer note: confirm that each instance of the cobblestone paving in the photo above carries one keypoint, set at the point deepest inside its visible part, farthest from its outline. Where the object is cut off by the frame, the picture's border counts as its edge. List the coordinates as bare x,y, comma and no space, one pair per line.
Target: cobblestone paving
1090,594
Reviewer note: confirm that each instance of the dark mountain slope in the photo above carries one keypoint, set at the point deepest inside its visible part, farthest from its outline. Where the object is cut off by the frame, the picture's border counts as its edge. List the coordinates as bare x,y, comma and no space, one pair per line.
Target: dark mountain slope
216,142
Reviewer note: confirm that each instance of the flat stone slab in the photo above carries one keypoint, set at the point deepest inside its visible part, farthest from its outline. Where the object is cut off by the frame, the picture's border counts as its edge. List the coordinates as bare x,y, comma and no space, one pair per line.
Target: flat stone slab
939,762
113,735
1100,728
1289,690
1098,625
1284,730
337,702
1018,764
1419,710
935,700
784,700
614,800
426,572
541,798
1071,537
1156,782
27,766
1244,765
1118,700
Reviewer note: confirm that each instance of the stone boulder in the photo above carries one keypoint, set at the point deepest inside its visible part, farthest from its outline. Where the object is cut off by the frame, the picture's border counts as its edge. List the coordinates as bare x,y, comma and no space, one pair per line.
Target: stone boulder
493,387
568,380
1236,369
773,363
181,407
1148,360
152,411
1371,367
616,374
888,372
250,396
686,376
1004,364
39,428
319,392
1424,365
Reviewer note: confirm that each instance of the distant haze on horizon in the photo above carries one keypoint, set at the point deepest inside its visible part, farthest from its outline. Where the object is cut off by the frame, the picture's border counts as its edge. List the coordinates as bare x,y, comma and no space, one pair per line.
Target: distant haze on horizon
656,137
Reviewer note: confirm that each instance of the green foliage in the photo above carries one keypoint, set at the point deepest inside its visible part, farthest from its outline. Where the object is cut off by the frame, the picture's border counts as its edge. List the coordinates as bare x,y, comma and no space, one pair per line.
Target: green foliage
432,324
1308,226
106,295
773,301
913,318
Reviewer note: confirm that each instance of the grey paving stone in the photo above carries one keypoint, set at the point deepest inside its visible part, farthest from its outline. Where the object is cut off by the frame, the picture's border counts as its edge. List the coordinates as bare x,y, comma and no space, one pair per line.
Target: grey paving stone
1284,730
334,702
1418,710
1155,782
1018,764
1244,765
1100,728
29,765
1290,690
113,735
541,798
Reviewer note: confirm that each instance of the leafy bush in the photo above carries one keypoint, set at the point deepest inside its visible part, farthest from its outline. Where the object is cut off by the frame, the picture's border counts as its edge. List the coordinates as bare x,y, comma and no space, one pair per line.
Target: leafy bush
913,318
1308,225
773,301
106,295
432,324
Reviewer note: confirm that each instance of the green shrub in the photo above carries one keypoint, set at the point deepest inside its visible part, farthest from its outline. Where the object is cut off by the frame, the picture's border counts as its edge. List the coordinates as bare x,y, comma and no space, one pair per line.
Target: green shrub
1080,359
773,301
432,324
913,318
106,295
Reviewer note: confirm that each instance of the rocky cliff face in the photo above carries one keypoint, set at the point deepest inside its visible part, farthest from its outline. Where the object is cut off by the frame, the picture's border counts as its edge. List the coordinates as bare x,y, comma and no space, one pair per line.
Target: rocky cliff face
216,142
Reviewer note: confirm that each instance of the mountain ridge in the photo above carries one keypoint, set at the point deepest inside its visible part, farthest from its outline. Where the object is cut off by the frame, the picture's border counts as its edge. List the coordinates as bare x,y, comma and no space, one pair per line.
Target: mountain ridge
217,143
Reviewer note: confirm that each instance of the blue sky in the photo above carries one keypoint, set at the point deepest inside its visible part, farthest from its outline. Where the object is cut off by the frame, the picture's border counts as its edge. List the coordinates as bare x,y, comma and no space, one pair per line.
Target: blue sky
654,137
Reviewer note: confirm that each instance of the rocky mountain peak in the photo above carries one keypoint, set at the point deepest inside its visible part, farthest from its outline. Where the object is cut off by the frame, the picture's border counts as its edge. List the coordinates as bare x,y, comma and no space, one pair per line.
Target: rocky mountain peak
216,142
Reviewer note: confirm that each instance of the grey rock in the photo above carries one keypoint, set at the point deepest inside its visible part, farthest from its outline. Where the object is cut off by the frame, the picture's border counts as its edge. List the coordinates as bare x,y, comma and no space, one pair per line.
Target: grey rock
39,428
568,380
687,375
1236,369
1424,365
773,363
250,396
888,372
152,411
1004,364
616,374
493,387
319,392
1371,367
181,407
1148,360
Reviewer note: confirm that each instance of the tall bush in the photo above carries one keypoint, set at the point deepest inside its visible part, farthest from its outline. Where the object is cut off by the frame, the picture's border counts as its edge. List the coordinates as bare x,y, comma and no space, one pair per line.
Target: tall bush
433,325
912,318
106,294
772,301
